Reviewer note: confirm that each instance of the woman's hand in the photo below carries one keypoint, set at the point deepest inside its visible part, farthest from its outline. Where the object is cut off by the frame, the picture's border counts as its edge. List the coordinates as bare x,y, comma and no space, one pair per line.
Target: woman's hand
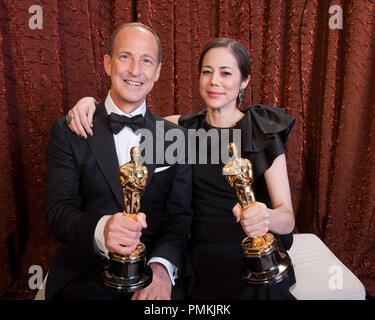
81,116
255,220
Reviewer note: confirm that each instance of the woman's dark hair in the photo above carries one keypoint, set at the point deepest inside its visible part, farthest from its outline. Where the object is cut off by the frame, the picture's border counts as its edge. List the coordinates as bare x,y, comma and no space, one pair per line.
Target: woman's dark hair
238,50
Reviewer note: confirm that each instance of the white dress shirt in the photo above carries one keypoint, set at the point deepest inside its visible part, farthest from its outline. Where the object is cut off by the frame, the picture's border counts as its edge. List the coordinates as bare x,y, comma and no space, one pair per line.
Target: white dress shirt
124,141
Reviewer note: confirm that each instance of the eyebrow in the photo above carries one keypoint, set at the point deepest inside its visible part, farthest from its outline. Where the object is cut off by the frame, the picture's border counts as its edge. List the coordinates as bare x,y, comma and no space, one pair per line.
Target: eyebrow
223,67
124,51
148,56
143,56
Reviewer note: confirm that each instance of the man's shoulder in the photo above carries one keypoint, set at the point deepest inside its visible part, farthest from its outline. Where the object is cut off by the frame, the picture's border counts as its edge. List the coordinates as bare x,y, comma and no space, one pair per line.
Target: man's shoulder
167,124
59,124
99,108
60,132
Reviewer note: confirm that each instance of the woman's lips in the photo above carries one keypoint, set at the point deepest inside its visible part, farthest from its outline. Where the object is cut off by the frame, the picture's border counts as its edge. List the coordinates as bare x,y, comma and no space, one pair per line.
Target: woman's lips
215,94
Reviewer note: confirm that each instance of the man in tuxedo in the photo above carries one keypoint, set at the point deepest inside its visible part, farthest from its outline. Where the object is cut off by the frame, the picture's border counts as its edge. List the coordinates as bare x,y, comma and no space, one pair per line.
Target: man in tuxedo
84,207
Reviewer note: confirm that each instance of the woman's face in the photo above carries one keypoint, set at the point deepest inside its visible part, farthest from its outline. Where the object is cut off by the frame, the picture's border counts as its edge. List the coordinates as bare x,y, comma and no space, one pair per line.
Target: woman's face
220,79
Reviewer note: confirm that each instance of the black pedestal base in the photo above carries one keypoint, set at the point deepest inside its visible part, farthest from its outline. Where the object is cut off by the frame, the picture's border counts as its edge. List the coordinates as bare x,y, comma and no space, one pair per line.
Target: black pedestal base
127,275
266,268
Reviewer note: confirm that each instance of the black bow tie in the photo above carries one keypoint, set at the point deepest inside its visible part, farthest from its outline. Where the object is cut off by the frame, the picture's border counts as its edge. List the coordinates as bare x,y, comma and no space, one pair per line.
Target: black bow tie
118,122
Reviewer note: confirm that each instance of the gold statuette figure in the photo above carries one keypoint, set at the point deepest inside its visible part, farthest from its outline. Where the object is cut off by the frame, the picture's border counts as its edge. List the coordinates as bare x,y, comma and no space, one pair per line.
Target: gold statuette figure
129,273
239,174
133,177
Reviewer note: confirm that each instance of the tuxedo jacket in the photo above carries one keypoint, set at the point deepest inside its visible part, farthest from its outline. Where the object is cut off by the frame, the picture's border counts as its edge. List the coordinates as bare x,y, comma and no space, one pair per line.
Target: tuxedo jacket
83,185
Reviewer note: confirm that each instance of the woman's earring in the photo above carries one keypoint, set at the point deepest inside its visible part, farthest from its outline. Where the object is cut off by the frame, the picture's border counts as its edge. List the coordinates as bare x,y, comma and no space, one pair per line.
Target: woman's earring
241,95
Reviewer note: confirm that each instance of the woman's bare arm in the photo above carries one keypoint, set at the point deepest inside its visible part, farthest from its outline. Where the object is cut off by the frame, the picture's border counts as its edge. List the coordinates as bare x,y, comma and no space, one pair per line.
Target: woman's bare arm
82,115
174,118
258,219
281,216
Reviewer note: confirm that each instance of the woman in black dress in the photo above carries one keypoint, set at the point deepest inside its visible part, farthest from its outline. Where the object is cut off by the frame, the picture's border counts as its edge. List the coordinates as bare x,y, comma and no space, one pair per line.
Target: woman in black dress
214,264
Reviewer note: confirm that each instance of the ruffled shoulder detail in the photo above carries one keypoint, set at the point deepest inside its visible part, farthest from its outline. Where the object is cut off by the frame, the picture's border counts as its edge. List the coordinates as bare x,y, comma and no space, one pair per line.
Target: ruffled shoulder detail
264,131
263,122
193,120
271,119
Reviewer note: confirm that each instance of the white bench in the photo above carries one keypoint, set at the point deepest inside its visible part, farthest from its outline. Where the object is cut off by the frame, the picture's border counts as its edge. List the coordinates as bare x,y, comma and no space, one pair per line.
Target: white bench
320,275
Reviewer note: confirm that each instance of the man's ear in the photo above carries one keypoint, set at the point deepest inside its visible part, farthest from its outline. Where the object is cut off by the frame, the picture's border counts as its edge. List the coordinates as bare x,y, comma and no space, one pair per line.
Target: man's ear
107,64
158,72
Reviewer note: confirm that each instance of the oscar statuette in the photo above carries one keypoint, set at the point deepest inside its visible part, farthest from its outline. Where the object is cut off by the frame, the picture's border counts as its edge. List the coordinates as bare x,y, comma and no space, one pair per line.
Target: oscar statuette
264,264
129,273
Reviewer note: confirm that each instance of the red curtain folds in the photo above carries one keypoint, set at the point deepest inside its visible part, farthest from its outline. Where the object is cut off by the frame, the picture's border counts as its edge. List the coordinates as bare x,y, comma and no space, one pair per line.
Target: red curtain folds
322,76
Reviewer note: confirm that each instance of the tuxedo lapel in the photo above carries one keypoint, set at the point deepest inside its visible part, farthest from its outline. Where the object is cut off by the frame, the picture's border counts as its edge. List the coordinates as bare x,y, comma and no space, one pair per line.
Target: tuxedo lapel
103,147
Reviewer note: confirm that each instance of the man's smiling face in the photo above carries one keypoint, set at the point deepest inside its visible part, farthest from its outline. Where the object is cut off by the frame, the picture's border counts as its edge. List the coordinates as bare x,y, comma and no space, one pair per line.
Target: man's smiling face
133,67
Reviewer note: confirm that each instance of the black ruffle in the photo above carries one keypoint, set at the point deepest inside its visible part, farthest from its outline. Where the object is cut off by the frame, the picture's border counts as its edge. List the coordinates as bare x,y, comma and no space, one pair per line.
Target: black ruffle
264,135
264,122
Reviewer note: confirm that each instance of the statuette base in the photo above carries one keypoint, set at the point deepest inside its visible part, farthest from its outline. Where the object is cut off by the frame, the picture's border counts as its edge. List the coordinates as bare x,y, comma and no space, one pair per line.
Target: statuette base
128,273
266,266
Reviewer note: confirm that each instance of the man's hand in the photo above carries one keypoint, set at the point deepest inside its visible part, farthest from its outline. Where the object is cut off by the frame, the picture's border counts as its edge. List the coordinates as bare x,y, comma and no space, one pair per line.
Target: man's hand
160,287
254,220
122,234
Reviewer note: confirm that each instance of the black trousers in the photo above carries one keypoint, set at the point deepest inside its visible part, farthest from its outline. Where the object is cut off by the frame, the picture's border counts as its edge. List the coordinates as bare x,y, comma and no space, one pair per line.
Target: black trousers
89,286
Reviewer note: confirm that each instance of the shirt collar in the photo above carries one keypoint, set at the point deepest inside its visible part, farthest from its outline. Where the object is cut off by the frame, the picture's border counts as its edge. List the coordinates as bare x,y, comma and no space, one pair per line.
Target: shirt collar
110,107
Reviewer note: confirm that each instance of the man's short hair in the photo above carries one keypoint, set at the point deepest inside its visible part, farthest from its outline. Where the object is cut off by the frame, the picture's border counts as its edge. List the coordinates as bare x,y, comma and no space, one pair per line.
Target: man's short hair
133,24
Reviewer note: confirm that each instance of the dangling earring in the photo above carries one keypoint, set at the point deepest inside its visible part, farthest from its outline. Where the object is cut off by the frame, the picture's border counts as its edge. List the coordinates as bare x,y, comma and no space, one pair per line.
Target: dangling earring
241,95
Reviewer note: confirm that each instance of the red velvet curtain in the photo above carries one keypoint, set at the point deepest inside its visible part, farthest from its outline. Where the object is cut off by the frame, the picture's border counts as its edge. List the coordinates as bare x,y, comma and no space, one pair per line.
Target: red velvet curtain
321,75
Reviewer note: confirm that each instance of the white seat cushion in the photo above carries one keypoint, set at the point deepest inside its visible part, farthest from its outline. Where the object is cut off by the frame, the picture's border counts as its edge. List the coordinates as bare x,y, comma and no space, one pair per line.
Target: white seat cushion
320,275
